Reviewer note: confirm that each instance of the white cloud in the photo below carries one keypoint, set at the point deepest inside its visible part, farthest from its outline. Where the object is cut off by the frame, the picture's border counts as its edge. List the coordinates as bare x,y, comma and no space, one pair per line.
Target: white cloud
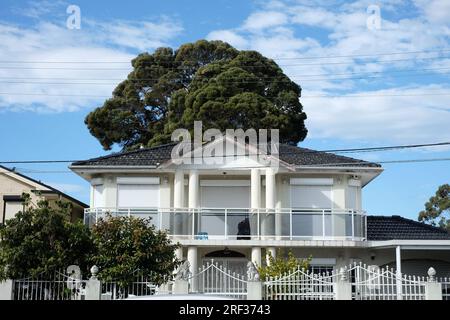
230,37
264,19
68,86
400,114
340,29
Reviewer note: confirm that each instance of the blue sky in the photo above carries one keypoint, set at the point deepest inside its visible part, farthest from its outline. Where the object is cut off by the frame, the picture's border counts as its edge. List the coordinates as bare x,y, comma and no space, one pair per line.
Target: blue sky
46,120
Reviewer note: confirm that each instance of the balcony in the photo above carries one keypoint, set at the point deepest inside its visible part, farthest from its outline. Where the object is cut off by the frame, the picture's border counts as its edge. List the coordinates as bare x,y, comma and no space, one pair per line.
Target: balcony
246,224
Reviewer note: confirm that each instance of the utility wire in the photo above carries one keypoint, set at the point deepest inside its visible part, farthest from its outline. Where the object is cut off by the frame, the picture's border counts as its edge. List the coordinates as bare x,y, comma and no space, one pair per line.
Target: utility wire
224,96
277,58
351,150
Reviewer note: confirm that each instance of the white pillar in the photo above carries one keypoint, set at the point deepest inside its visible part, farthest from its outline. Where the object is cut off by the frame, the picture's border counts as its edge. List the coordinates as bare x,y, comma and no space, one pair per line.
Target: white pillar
192,258
256,256
178,201
398,267
272,253
255,195
193,189
178,189
269,220
193,200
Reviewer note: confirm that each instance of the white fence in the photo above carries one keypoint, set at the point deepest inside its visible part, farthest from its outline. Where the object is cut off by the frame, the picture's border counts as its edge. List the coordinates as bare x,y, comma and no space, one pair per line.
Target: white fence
357,282
49,286
373,283
300,285
140,286
215,279
445,288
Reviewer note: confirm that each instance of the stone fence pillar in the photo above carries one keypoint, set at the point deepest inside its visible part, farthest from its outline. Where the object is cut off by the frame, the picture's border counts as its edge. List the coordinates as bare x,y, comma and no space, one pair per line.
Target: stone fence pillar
342,286
93,286
6,290
433,289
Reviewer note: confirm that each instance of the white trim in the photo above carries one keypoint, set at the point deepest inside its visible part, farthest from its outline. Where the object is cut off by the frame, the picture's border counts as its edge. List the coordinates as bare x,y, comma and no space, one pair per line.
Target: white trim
138,180
96,181
312,181
354,183
225,183
323,262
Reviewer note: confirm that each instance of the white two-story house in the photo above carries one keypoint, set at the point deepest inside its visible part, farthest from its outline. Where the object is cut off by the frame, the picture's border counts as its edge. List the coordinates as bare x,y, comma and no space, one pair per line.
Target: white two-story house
239,209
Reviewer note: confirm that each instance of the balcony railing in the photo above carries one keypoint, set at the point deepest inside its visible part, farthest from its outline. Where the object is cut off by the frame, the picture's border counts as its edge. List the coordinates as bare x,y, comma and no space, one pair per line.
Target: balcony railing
247,224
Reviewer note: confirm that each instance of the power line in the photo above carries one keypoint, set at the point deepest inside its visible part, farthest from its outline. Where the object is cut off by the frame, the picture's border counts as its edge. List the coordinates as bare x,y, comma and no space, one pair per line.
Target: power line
233,80
143,63
225,96
276,58
351,150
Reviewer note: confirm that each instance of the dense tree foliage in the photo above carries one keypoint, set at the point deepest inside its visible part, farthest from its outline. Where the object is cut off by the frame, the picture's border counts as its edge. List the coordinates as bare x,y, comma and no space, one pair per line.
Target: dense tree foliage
130,246
208,81
437,208
42,239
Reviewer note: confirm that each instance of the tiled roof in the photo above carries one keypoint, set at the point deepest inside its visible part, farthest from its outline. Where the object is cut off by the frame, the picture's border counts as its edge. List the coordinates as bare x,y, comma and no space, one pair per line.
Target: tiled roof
287,153
142,157
399,228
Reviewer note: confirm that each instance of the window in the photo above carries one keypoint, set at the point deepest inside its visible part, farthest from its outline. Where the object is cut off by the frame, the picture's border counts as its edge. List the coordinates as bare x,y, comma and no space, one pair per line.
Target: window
139,192
311,193
98,196
320,269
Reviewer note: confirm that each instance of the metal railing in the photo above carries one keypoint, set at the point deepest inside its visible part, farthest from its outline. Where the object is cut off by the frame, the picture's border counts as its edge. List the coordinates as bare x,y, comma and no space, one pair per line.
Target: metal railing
247,224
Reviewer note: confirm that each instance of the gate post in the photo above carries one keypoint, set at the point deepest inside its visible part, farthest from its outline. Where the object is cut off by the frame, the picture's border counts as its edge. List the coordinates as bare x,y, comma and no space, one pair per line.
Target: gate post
254,284
254,290
433,289
93,286
342,287
6,290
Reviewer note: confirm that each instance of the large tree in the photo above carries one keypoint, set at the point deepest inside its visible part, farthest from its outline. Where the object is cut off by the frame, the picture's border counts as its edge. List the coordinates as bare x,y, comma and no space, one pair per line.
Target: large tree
437,209
208,81
41,239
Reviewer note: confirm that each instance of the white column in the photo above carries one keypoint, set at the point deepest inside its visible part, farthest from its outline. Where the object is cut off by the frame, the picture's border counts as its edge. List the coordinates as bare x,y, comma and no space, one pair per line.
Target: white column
178,189
398,264
178,201
255,188
193,189
272,252
255,197
193,200
192,258
256,256
269,221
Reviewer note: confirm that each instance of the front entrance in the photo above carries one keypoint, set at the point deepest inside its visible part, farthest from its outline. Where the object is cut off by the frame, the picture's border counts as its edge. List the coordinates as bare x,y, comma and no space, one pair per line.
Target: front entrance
233,261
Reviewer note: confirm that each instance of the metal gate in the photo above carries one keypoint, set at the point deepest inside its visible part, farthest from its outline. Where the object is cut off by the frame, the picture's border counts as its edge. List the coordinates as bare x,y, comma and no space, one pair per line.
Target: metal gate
215,279
300,285
374,283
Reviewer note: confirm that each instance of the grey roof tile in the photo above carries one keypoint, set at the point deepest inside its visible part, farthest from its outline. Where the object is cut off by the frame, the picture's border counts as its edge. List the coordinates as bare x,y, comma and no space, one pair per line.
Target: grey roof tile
288,153
399,228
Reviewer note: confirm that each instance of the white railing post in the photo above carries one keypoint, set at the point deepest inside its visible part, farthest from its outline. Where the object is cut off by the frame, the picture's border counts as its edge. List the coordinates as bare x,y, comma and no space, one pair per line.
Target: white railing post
258,229
290,224
193,223
323,224
129,212
353,224
226,222
159,218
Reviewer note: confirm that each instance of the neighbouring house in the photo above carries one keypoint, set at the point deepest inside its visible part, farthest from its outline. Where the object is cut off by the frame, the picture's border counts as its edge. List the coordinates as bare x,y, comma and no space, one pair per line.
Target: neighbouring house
13,184
238,209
